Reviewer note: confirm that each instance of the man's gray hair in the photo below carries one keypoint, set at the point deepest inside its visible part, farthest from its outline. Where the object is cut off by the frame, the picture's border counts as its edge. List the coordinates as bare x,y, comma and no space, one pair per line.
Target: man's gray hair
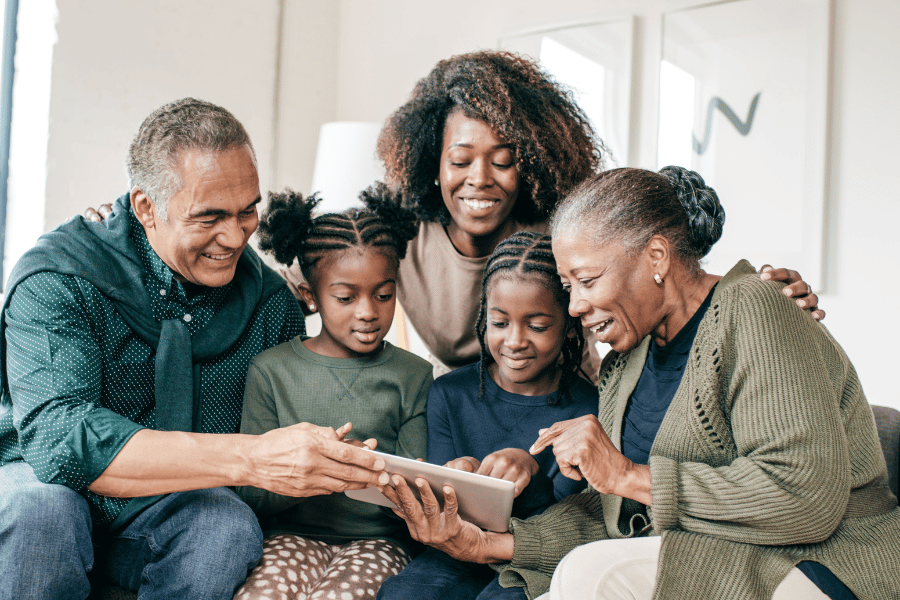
185,124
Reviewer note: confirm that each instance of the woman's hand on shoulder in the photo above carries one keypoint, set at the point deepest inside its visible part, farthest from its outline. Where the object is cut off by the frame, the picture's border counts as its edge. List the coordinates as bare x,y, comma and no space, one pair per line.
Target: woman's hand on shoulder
583,449
795,288
511,464
97,214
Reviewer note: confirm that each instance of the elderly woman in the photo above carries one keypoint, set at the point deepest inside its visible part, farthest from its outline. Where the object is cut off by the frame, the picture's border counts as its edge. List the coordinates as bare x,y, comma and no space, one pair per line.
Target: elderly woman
730,425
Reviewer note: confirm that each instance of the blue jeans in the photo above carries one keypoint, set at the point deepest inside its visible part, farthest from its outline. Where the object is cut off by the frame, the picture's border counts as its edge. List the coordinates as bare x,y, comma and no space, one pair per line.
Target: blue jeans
435,575
197,544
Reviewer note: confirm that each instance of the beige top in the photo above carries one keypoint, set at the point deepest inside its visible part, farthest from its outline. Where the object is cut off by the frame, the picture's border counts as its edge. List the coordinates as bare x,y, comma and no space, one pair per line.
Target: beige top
440,290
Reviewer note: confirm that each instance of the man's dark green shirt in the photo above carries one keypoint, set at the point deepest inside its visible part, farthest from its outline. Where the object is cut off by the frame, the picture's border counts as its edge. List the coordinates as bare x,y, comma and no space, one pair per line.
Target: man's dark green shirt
72,362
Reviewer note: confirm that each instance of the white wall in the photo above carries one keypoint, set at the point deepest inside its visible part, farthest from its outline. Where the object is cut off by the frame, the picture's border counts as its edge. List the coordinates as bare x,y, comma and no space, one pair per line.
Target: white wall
358,60
114,62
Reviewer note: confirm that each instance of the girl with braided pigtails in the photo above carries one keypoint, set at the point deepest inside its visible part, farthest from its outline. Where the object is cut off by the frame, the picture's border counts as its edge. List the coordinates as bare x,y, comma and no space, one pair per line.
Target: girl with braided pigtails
485,416
329,546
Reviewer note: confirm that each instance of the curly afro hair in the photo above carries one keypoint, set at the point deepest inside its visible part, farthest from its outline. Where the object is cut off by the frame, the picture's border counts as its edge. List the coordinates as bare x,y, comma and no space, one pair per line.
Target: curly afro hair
555,145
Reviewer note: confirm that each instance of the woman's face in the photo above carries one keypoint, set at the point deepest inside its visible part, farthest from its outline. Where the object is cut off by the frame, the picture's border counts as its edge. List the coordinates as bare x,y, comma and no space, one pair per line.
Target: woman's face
612,293
479,179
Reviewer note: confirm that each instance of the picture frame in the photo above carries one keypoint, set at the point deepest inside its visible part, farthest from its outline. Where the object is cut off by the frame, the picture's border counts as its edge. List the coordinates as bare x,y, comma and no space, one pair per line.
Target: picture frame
744,102
594,60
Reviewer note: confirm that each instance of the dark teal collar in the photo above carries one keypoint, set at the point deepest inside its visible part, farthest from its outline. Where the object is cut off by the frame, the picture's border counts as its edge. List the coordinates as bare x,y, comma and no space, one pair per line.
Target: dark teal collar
106,255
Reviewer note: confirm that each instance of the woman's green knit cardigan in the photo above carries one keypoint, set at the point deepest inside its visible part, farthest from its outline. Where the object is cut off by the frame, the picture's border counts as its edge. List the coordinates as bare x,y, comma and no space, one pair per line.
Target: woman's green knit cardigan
767,456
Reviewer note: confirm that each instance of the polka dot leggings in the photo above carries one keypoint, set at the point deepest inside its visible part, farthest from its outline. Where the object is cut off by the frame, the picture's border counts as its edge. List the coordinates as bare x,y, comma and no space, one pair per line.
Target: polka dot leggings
296,568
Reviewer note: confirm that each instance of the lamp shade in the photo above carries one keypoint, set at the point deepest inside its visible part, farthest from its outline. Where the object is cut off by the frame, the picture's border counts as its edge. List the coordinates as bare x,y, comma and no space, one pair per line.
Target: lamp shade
345,163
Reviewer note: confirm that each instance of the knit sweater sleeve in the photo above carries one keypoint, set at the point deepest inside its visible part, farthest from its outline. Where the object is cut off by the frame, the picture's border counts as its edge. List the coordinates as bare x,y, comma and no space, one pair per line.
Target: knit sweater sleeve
765,411
543,540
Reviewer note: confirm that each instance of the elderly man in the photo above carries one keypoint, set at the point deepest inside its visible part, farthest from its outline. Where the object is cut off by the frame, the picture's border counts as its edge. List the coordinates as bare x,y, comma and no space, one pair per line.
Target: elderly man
124,352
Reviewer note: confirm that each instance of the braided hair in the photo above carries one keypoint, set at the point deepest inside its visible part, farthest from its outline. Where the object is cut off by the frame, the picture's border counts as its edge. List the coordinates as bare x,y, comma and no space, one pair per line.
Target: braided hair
288,230
527,253
632,205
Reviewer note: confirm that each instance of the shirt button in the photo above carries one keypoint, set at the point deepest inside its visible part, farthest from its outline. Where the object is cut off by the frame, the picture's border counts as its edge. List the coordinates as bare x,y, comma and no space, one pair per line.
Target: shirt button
187,318
162,292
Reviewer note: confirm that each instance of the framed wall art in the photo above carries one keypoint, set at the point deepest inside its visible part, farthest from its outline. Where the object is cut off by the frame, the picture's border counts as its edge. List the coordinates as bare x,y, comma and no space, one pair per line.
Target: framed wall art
743,101
594,60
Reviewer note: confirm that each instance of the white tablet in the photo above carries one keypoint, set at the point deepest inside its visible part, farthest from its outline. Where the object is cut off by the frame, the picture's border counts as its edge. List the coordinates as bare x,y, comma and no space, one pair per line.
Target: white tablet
484,501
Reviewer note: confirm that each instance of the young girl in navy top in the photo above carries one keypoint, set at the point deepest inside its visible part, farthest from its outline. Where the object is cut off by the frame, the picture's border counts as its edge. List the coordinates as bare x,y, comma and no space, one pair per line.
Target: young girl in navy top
329,546
485,416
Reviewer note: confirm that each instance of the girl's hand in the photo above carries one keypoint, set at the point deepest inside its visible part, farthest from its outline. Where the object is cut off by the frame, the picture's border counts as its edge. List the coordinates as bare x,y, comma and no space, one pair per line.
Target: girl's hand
583,449
795,288
441,529
464,463
511,464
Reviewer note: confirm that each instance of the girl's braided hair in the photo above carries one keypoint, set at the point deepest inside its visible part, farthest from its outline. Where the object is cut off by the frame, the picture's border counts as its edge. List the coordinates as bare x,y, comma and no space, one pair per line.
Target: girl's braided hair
288,229
527,253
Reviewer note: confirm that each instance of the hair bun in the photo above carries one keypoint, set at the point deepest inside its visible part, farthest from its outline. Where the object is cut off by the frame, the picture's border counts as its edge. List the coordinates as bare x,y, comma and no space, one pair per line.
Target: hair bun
705,214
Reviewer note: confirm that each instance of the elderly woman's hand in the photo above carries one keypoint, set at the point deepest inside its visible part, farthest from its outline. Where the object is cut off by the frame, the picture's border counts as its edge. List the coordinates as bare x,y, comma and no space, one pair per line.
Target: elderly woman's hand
583,449
796,288
445,529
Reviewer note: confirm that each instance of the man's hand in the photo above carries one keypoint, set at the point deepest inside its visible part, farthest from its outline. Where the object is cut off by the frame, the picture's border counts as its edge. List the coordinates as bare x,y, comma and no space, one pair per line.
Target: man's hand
307,460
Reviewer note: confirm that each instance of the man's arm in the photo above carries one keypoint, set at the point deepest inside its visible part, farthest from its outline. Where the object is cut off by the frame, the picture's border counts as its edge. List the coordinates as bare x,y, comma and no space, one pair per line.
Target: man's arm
301,460
55,376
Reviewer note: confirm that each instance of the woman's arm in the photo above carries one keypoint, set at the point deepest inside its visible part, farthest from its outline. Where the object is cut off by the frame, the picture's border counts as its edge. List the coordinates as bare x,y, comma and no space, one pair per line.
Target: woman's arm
445,529
583,450
783,379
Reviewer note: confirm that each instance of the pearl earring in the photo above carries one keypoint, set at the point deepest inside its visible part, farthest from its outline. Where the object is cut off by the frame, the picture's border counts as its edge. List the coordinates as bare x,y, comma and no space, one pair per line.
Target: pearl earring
657,278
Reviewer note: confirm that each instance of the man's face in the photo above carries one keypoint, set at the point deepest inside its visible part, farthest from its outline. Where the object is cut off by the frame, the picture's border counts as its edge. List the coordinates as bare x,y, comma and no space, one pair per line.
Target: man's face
210,219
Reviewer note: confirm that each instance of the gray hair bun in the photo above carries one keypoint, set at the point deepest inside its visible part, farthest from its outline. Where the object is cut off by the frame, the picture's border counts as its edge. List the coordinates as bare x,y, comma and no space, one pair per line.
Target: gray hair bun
705,215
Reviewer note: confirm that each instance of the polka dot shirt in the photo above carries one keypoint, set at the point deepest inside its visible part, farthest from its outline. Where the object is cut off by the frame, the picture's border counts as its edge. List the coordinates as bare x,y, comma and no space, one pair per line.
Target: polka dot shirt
82,382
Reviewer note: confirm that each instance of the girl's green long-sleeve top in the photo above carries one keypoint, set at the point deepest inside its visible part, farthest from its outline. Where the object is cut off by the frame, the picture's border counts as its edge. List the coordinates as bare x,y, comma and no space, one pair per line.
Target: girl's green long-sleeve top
767,456
383,396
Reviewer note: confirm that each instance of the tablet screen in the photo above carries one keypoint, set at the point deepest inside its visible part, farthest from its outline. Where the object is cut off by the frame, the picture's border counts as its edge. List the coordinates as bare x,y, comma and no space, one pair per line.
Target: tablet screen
484,501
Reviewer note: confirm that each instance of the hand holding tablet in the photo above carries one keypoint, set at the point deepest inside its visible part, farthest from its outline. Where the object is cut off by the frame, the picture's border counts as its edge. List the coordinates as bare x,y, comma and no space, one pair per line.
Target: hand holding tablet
483,501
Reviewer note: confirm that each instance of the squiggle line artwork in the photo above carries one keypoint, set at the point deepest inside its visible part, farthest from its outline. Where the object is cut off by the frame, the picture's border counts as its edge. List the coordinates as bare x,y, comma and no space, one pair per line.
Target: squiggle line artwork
743,127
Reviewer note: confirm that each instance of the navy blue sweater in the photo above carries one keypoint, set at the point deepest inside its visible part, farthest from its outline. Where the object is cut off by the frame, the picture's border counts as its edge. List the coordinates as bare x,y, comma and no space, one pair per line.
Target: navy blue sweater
461,424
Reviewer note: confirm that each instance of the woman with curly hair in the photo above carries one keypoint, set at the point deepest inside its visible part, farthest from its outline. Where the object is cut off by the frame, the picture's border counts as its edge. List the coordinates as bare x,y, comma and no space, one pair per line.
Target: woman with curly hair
486,146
